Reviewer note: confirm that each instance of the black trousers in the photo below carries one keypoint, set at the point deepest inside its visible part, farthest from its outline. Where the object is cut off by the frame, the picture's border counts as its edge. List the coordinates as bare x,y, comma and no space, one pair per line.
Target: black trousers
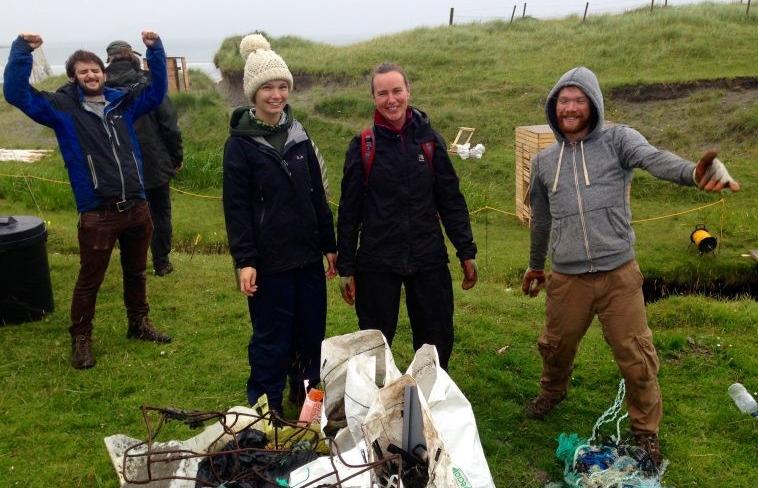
160,210
288,313
428,296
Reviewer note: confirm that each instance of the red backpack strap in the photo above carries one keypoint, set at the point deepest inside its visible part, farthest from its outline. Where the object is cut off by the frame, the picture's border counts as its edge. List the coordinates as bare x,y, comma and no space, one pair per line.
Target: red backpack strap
428,148
368,151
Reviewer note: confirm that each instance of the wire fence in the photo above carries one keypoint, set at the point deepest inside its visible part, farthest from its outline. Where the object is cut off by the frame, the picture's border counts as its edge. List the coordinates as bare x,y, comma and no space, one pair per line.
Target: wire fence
554,9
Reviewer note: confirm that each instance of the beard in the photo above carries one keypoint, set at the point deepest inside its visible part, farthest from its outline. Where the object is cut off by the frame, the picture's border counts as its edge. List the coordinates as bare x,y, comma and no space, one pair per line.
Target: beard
92,92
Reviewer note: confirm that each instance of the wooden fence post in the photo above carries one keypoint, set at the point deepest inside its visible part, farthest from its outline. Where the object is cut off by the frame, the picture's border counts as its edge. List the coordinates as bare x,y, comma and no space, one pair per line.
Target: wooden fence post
513,14
665,3
586,6
652,4
452,10
747,11
523,14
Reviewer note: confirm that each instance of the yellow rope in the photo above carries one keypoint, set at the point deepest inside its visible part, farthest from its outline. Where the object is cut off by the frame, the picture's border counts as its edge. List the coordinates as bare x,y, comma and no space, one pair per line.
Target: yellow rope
36,178
722,201
487,207
210,197
678,213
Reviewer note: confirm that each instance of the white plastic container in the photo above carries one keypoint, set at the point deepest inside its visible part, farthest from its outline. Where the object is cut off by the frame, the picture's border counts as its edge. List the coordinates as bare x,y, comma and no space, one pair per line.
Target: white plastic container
743,399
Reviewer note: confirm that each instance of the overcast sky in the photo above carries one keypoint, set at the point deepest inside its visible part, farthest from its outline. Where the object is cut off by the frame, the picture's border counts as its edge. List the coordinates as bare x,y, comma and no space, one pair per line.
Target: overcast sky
87,24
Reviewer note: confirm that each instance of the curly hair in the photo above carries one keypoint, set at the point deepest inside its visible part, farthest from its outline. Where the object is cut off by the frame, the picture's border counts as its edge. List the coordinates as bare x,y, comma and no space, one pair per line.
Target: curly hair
83,57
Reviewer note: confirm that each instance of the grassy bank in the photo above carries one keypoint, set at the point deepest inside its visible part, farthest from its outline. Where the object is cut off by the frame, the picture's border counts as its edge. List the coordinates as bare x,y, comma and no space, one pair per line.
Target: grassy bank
491,76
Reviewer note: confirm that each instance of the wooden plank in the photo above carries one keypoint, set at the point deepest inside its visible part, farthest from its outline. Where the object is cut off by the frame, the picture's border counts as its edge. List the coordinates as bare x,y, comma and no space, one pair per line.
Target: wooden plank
24,155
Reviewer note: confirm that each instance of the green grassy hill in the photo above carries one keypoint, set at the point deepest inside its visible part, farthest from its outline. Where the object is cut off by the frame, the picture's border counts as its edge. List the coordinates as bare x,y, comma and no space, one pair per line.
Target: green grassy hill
492,76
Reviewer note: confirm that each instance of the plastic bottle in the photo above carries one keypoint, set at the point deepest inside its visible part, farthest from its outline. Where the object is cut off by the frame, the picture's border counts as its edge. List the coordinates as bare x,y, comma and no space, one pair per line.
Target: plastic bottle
743,399
311,411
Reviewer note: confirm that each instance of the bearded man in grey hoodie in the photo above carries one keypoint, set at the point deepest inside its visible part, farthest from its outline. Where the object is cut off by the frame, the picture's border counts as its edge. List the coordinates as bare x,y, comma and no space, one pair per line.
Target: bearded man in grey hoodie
581,213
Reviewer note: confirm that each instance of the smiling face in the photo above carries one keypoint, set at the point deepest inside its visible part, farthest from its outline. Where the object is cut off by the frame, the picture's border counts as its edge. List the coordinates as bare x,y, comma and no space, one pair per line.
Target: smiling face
270,100
572,109
90,77
391,95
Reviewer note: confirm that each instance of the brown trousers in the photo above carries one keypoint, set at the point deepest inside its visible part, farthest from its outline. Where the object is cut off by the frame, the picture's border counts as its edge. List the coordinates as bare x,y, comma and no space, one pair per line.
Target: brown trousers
98,232
616,298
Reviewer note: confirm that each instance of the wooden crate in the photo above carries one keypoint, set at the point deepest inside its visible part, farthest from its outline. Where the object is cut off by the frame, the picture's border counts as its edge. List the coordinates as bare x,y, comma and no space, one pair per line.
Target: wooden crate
530,140
178,74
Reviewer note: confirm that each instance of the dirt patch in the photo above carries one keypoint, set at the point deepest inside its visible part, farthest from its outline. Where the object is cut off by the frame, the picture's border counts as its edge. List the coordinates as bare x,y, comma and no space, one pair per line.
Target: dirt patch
304,81
669,91
656,288
231,86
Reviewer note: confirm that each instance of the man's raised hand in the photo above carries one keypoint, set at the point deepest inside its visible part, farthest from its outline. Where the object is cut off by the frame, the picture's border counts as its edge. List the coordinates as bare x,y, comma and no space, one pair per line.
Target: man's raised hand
149,38
33,40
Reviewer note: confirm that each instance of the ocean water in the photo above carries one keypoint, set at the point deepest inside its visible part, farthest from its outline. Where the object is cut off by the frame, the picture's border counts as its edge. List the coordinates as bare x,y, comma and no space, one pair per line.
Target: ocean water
199,53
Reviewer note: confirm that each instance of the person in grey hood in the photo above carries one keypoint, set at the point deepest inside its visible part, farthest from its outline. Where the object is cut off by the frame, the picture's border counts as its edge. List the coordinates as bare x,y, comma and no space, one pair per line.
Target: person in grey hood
280,228
581,216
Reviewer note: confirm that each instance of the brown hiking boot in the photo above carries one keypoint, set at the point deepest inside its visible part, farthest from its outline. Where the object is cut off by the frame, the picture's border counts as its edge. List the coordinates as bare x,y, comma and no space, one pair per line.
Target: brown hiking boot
81,352
542,405
649,443
144,330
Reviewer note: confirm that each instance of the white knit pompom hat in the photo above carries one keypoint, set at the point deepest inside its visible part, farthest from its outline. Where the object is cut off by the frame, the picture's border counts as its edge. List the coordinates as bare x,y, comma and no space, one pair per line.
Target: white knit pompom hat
261,65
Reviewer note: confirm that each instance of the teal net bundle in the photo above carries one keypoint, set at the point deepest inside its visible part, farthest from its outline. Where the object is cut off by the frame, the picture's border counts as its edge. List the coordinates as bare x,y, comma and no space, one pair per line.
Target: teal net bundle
607,461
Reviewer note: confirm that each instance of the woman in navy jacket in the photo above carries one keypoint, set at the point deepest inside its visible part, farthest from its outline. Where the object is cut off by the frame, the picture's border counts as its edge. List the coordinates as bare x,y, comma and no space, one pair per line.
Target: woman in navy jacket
279,227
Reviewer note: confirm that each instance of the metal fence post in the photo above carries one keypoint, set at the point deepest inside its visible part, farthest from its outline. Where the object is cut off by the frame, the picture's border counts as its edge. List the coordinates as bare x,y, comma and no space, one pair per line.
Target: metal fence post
652,4
452,10
523,14
513,14
586,6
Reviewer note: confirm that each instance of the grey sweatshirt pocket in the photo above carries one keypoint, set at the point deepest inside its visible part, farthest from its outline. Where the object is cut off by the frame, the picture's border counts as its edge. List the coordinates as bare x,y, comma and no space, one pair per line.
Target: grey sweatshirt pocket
608,232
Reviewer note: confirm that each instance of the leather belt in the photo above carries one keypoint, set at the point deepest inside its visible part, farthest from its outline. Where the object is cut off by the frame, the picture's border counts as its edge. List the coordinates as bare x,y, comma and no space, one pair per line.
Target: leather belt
118,205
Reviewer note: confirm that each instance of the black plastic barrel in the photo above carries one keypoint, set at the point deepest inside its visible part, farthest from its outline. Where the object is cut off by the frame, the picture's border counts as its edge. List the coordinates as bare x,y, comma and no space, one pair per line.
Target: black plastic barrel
26,293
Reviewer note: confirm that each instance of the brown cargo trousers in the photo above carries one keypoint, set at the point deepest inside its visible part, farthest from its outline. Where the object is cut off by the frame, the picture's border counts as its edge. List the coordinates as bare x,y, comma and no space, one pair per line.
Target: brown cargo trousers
616,298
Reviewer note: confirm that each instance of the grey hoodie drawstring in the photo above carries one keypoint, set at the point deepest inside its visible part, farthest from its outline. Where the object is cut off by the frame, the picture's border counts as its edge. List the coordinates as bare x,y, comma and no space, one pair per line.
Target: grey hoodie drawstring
558,171
584,166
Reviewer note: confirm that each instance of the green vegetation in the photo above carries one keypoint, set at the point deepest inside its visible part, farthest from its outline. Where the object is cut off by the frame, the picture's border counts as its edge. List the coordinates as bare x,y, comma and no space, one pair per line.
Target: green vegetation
491,76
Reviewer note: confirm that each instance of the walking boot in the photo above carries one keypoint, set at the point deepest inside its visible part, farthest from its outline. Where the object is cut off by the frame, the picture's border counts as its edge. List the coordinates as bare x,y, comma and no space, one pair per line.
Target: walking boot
144,330
81,352
163,270
649,443
542,405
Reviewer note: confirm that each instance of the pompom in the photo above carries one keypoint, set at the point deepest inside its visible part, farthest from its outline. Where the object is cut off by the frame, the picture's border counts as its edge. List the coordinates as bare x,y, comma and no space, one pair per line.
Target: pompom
252,43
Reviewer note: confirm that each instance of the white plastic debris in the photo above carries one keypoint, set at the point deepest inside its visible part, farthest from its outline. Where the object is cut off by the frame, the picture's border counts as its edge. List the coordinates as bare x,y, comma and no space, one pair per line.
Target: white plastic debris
465,151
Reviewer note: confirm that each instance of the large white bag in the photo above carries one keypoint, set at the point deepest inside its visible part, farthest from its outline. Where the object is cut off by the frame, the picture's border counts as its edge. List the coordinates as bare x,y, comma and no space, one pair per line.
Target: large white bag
384,426
372,359
452,416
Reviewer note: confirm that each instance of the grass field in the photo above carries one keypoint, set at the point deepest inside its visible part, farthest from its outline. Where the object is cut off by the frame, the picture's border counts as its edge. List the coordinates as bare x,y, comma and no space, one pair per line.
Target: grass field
491,76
